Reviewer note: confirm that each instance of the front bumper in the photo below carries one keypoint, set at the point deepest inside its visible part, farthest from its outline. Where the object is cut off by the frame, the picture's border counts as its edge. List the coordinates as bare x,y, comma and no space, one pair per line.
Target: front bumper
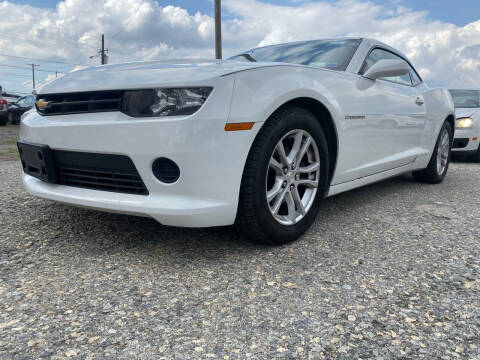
461,137
211,162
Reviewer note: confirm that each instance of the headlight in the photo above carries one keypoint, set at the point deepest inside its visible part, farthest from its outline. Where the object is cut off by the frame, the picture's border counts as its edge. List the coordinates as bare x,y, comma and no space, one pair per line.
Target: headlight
164,102
464,123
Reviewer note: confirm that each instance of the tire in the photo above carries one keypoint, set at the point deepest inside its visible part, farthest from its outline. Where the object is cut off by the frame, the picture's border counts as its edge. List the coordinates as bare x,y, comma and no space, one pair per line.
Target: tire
3,120
476,157
431,174
255,216
10,118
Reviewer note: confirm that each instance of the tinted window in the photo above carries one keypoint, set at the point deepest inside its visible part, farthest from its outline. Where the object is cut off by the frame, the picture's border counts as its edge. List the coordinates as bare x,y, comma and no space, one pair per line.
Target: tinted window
330,54
466,98
379,54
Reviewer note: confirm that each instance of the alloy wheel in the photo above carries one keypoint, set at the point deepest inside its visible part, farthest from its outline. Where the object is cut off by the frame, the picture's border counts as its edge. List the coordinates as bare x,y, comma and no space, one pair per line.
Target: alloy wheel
443,152
293,177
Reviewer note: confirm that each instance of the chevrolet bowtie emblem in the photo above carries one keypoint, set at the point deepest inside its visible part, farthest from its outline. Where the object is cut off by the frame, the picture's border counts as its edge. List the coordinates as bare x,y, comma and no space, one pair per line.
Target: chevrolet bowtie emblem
42,104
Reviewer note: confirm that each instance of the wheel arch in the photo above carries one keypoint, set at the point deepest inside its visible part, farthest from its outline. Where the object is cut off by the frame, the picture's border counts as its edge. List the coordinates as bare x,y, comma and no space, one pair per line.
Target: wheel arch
451,119
325,119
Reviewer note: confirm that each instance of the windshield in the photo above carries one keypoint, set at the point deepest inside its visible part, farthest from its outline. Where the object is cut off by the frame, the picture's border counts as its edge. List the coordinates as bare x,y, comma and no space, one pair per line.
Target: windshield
330,54
466,98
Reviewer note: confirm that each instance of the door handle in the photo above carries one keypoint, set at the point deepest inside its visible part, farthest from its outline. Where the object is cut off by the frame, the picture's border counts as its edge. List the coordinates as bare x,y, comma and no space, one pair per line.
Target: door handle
419,101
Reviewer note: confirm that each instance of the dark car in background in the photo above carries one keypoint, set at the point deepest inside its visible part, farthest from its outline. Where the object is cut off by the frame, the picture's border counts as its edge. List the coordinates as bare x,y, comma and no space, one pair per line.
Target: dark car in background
16,109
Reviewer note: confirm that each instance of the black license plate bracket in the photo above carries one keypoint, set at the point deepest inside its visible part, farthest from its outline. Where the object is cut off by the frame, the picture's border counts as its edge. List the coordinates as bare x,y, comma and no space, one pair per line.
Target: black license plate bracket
37,161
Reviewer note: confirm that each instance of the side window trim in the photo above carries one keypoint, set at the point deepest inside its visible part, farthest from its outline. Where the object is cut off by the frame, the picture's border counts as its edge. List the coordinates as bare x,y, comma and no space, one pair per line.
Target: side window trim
361,71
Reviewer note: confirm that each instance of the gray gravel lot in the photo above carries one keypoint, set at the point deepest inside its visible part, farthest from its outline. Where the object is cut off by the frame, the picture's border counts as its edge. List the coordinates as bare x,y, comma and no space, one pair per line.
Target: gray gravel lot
8,141
388,271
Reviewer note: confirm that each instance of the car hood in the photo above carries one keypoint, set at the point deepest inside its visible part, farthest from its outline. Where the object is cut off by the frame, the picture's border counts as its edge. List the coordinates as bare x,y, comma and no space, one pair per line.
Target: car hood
138,75
466,112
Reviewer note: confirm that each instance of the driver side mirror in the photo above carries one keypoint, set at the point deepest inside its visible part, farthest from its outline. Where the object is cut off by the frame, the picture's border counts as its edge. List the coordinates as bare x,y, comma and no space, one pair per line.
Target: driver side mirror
387,68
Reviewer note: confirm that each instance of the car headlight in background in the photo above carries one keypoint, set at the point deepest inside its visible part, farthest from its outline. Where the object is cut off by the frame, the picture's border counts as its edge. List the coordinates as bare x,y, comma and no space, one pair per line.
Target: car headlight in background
164,101
464,123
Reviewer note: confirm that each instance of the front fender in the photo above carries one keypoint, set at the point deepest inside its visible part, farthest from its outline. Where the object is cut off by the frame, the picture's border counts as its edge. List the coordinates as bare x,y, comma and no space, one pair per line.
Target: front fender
259,92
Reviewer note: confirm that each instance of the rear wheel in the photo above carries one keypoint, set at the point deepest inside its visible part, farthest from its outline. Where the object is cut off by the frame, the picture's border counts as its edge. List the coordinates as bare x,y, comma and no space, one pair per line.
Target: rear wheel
437,168
11,120
3,120
285,178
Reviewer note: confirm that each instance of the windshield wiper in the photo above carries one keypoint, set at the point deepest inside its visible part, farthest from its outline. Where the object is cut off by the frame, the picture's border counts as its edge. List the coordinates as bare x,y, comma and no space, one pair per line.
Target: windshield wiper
248,57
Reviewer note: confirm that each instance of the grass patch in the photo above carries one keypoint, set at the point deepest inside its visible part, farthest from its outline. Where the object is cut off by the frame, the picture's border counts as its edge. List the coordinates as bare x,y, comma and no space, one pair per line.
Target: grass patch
11,141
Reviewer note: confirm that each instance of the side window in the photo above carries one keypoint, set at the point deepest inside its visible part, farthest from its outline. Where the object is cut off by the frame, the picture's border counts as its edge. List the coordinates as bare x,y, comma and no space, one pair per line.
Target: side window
415,78
379,54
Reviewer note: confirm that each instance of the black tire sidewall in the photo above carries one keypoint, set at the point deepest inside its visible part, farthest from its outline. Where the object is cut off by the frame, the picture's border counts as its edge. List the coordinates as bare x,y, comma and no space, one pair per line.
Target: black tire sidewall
297,118
476,157
448,127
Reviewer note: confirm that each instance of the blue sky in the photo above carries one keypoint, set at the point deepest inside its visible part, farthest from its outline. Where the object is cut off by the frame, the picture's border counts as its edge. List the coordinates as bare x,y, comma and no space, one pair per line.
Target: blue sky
458,12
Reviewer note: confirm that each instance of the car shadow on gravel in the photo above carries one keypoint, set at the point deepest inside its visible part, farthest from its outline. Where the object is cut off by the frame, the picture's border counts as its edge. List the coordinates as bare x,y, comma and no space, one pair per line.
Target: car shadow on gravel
97,232
107,232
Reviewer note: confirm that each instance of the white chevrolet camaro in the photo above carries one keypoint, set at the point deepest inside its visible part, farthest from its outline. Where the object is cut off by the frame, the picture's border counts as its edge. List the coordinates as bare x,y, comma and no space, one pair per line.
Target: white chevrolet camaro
467,134
257,140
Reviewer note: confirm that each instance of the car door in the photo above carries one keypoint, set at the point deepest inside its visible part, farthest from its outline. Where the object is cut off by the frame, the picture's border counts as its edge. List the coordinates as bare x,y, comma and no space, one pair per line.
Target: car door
394,119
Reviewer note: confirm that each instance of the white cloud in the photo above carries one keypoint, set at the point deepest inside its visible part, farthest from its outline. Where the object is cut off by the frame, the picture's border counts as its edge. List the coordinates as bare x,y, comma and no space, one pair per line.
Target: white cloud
443,53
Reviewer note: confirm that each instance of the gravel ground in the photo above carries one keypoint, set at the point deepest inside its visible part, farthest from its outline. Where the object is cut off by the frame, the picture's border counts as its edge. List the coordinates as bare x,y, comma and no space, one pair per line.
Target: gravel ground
8,141
390,271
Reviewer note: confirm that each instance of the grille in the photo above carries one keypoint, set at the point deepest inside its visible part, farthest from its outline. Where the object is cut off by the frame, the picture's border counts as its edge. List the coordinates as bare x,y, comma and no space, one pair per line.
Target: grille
83,102
115,173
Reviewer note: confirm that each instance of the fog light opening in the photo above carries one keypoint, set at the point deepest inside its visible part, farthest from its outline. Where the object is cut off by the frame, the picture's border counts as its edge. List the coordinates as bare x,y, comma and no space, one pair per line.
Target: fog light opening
166,170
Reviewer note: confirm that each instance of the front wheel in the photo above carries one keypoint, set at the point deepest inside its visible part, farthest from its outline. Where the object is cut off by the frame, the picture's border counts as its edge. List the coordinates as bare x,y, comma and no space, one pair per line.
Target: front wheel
285,178
476,157
437,168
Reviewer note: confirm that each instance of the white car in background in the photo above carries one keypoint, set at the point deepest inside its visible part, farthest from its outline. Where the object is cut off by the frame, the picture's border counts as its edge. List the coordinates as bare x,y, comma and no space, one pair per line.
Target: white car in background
467,134
257,140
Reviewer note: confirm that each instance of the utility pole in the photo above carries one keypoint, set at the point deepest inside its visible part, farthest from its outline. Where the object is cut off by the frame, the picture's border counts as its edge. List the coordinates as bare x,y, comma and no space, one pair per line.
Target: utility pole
103,56
33,74
218,30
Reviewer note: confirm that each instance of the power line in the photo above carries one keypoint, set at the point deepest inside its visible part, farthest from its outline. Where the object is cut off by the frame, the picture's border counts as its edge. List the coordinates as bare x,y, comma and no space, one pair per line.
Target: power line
129,21
16,81
15,75
19,92
27,68
38,59
55,43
